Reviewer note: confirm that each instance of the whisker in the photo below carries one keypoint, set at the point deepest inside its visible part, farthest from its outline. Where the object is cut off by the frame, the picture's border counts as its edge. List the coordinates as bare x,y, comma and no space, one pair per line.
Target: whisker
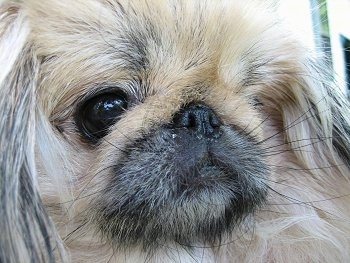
296,122
295,201
307,169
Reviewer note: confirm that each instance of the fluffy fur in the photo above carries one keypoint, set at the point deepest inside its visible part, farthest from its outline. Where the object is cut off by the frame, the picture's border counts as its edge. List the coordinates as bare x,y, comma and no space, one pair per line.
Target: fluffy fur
275,190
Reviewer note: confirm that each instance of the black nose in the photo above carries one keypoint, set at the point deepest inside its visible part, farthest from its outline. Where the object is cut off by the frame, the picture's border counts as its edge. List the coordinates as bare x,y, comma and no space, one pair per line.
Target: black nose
200,119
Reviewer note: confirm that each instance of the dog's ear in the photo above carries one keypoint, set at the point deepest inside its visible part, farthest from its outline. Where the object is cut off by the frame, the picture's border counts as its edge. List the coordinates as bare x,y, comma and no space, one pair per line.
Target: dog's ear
328,113
340,109
315,115
27,234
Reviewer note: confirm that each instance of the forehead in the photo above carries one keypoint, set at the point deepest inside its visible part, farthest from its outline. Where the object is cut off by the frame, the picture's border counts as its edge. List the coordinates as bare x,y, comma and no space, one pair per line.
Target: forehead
87,44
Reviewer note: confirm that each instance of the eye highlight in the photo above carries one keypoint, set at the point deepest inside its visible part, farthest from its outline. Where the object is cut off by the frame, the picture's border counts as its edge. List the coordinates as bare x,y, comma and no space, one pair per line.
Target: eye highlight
97,114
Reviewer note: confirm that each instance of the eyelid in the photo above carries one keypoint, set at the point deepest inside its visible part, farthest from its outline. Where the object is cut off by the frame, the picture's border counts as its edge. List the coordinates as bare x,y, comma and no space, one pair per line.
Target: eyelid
100,91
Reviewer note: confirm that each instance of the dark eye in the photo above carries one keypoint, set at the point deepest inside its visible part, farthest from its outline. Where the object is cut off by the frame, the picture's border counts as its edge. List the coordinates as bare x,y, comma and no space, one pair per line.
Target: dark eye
97,114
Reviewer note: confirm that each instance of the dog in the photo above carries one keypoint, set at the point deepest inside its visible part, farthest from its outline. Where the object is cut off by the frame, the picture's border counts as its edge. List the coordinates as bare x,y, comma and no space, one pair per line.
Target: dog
168,131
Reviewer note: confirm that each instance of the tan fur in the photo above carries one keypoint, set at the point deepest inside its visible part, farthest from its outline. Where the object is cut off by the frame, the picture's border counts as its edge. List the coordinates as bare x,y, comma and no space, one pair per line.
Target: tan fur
223,53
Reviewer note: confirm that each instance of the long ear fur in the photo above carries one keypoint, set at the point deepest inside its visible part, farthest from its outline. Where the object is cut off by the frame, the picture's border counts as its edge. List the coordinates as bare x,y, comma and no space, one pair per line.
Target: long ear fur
323,116
314,114
341,127
27,234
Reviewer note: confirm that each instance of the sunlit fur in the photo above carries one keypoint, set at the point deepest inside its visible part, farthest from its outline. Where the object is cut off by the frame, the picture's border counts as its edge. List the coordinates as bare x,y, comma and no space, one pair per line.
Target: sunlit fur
228,54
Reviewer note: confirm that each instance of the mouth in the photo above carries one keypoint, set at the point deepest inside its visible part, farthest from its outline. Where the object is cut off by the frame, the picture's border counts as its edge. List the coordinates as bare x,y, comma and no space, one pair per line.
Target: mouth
174,186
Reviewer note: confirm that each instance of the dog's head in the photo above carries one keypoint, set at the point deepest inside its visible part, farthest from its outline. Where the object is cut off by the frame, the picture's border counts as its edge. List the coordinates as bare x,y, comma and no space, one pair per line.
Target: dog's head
144,123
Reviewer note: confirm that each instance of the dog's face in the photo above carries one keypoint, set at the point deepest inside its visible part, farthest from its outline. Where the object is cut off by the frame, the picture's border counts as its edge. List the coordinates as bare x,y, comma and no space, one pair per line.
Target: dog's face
157,102
163,123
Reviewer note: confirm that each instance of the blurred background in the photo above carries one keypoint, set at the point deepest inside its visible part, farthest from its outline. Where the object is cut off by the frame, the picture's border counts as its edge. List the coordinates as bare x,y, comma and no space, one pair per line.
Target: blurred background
325,25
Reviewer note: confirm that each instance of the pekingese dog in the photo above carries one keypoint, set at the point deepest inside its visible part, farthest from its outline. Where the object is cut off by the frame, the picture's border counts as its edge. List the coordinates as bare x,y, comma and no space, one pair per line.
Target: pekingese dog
168,131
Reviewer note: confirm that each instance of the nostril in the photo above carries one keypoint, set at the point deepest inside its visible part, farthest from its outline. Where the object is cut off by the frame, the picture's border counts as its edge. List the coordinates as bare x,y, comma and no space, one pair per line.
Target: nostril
198,118
214,121
184,119
192,121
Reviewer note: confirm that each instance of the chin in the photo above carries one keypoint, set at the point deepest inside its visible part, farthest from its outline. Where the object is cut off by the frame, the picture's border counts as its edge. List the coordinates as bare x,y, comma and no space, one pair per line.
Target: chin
168,131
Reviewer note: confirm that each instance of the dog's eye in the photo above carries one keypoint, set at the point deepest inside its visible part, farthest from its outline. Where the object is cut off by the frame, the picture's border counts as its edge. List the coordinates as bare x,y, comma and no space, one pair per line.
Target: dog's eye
97,114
